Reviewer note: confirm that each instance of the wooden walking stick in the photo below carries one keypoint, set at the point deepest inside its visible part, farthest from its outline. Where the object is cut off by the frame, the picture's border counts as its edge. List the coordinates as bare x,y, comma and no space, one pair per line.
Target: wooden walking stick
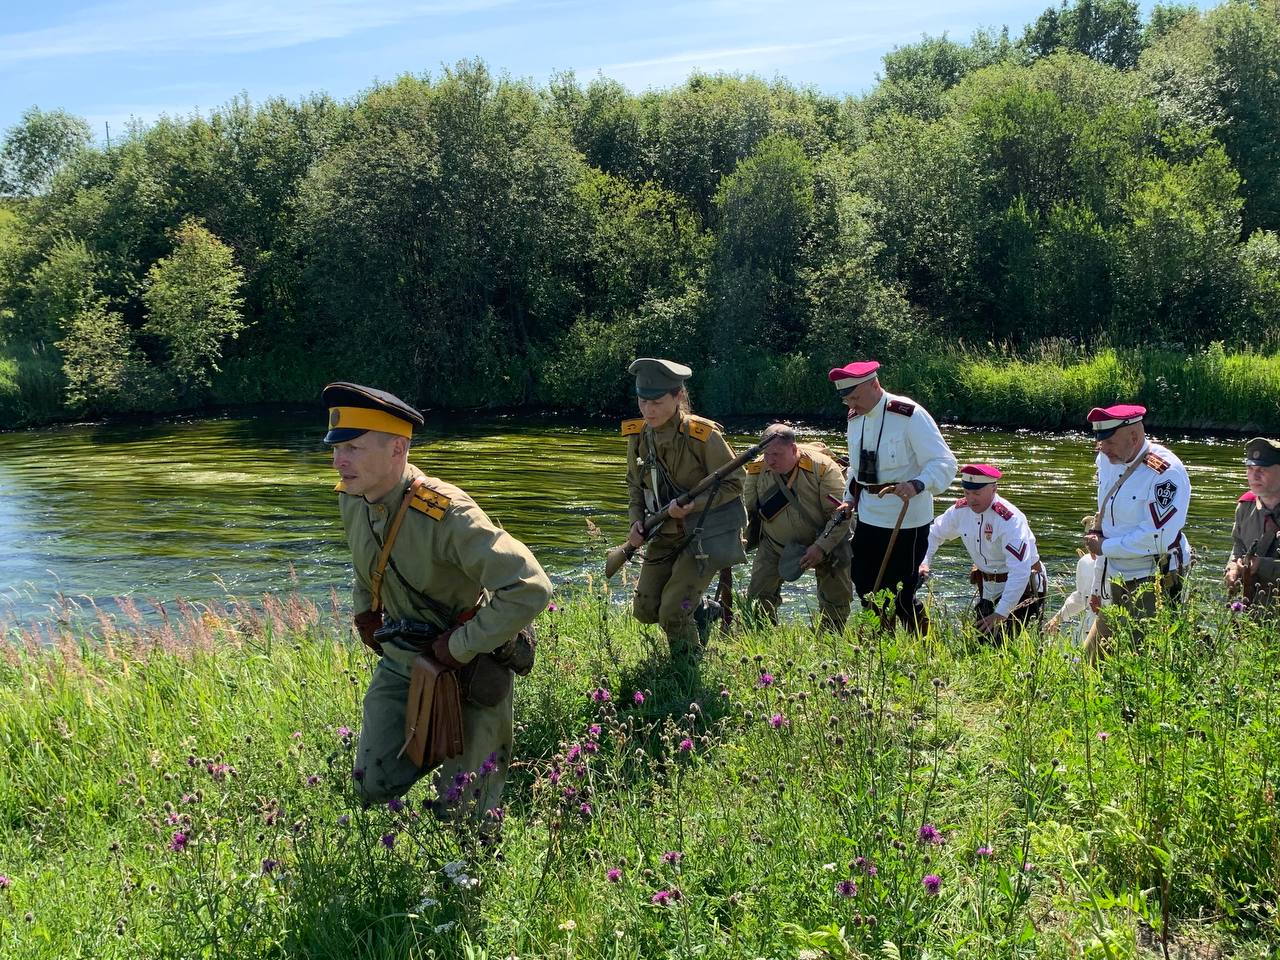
888,551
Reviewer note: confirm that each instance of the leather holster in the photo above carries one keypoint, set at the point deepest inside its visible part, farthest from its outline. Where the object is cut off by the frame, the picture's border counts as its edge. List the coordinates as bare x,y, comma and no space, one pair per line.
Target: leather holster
366,624
432,714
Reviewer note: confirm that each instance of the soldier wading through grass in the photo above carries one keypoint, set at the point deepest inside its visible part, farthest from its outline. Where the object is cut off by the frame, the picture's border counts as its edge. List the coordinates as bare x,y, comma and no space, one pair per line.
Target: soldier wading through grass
444,596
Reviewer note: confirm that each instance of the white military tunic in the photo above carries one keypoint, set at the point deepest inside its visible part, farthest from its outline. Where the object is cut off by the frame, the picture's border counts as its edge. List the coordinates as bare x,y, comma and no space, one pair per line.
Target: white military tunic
1142,521
999,540
910,447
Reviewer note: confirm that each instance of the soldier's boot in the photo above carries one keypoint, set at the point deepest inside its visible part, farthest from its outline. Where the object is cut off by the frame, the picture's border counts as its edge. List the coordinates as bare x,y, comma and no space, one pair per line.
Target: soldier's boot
705,617
684,641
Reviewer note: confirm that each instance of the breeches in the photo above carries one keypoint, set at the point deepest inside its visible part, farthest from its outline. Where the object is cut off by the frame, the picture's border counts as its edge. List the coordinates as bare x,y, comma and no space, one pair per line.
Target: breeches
670,587
902,573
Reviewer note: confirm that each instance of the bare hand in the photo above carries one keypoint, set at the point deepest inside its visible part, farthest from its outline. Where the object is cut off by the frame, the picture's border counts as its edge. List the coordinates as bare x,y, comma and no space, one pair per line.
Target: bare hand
1053,625
1235,572
812,557
906,490
636,537
1093,543
1095,602
924,571
990,623
678,512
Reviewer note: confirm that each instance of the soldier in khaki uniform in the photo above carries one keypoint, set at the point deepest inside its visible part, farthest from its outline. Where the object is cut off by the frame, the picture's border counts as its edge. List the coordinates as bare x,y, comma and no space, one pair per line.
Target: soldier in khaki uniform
1254,567
669,451
793,488
446,556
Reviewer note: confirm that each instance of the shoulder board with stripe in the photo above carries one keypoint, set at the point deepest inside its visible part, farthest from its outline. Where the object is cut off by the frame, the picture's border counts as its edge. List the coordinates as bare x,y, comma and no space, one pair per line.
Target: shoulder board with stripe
340,486
850,415
1156,462
431,503
900,406
1248,497
1002,511
631,427
962,502
698,428
805,462
755,466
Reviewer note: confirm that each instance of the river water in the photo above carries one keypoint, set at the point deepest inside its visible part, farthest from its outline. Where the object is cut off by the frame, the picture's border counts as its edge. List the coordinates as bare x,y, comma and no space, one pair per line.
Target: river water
242,507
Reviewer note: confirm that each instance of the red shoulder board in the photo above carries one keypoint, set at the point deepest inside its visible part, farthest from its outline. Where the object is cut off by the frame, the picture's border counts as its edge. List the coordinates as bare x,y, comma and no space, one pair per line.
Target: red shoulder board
1156,463
850,416
900,406
1248,497
962,502
1002,511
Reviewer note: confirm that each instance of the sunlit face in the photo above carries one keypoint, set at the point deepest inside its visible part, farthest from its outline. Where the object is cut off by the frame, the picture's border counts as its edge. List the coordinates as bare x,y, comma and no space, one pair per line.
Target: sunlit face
863,397
780,457
980,499
1264,483
659,411
371,464
1123,445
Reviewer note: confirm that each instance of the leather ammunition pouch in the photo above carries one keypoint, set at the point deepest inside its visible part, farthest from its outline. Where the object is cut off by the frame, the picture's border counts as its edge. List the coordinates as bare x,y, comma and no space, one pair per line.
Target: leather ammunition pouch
433,715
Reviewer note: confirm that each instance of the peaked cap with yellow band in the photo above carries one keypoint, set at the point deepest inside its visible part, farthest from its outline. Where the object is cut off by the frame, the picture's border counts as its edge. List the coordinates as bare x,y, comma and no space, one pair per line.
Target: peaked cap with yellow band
354,410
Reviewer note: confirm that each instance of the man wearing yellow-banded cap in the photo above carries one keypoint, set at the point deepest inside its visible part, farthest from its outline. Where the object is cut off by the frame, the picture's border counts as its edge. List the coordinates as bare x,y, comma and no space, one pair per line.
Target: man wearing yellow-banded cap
453,588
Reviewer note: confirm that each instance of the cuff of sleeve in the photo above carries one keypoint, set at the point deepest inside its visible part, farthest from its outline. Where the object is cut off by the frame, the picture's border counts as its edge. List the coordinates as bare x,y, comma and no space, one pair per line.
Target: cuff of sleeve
458,646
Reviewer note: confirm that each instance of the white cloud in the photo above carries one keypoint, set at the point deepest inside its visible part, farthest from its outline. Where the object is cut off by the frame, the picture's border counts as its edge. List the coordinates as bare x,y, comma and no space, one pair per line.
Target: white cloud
221,26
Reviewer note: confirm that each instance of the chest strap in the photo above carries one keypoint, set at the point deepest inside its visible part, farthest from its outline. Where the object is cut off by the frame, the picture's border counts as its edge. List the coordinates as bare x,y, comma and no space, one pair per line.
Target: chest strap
380,568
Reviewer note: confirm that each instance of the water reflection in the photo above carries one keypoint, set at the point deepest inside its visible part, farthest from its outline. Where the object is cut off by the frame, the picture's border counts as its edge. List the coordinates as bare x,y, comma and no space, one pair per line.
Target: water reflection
200,509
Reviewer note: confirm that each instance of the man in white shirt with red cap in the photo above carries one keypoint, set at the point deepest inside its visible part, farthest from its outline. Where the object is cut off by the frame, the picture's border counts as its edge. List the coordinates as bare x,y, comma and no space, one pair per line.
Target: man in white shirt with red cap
898,462
1143,496
1007,571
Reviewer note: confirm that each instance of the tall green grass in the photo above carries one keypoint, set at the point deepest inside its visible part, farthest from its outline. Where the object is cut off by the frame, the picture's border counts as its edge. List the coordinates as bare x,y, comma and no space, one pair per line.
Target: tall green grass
180,787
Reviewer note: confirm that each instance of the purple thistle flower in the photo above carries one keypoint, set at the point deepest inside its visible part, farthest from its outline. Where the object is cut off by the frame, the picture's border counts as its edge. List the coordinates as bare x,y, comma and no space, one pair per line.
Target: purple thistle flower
847,888
778,720
490,764
987,851
584,809
553,777
313,780
580,770
344,820
601,695
661,898
5,882
189,798
766,680
613,875
388,840
268,865
1103,736
932,884
593,731
297,734
872,870
574,752
1237,606
929,834
358,774
453,794
672,856
686,745
344,733
496,814
569,793
552,608
179,842
591,746
637,698
395,805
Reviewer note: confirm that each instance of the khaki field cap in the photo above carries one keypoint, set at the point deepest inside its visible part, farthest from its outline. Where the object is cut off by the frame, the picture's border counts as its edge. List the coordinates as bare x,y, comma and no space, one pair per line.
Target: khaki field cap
654,377
354,410
1261,452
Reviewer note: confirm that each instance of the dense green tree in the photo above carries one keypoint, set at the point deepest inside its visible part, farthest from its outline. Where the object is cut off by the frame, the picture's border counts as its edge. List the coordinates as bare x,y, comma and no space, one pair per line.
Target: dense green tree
1109,31
37,147
104,369
193,306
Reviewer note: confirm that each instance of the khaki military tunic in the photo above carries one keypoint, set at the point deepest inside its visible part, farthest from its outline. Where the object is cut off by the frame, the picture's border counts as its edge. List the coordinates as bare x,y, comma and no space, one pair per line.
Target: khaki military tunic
814,481
1258,528
673,579
450,551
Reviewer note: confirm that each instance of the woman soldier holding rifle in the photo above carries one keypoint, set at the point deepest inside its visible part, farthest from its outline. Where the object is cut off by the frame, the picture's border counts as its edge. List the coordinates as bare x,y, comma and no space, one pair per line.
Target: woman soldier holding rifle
669,452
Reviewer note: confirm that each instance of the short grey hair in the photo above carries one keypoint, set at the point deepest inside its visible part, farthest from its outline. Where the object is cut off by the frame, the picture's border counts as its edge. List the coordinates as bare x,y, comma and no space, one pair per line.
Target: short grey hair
783,431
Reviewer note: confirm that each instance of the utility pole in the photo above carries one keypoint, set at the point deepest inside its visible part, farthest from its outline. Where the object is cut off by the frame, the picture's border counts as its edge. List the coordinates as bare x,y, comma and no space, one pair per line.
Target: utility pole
108,125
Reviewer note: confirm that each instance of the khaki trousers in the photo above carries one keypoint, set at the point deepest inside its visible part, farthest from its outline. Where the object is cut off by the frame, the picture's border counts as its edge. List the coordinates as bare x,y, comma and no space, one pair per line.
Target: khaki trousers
835,585
670,589
463,787
1140,599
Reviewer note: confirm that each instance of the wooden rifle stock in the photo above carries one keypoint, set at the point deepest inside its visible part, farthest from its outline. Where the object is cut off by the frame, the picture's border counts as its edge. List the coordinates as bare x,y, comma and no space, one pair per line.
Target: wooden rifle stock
621,554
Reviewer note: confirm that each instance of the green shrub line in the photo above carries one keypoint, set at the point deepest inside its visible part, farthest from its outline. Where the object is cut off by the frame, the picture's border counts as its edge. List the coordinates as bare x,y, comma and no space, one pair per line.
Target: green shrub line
179,786
1051,387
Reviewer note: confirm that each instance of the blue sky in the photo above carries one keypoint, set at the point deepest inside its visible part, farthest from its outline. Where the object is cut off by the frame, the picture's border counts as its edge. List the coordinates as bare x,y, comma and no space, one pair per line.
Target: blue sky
110,61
